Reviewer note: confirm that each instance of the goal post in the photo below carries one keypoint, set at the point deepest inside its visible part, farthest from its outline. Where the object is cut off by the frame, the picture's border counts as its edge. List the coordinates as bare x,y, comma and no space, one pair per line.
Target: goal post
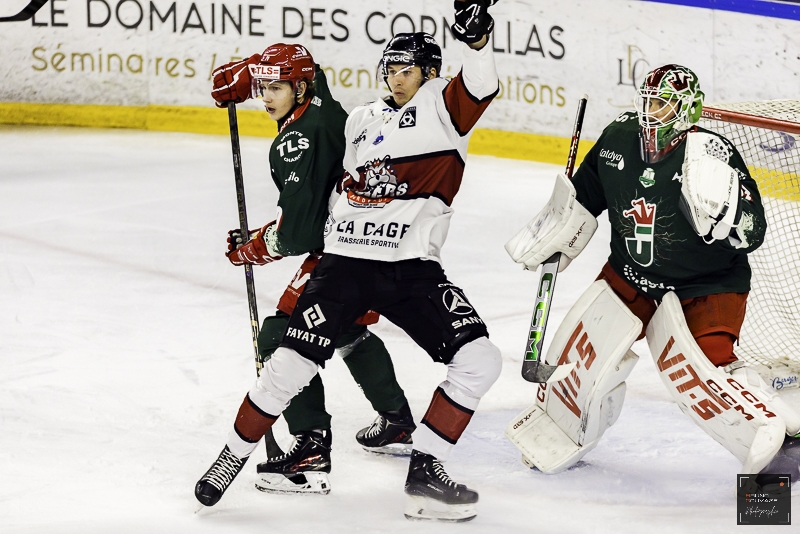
767,134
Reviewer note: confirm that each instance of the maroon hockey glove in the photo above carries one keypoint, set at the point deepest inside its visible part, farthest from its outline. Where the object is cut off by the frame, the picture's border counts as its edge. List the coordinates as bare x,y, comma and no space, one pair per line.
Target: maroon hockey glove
472,21
232,81
254,252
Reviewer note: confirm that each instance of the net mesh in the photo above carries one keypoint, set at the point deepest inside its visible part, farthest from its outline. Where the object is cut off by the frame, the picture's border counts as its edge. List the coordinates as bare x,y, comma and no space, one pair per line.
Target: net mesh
770,335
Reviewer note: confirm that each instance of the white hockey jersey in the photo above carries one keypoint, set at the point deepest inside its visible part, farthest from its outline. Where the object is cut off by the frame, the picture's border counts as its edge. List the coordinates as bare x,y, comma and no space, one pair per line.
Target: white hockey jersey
403,167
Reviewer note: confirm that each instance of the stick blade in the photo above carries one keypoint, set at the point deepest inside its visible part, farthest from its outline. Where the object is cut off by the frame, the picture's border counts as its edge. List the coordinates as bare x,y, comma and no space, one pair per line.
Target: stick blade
540,373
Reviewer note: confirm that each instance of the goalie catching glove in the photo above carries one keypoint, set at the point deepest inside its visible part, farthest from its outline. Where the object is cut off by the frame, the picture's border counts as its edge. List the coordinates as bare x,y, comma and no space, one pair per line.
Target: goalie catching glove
710,188
256,251
563,225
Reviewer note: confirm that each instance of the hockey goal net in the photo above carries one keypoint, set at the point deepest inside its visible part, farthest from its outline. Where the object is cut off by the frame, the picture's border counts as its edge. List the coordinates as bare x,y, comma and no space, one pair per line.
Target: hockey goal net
767,134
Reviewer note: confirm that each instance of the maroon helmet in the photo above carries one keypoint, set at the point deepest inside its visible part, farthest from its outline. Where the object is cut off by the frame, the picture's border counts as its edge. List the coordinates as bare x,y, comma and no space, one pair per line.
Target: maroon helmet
283,62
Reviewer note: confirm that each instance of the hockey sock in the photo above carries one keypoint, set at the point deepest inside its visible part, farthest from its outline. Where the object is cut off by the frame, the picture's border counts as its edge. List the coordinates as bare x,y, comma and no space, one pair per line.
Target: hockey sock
371,367
443,424
250,425
307,409
446,417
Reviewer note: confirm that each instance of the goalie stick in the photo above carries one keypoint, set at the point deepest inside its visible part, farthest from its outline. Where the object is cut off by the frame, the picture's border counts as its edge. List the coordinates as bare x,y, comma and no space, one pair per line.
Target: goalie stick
533,368
273,449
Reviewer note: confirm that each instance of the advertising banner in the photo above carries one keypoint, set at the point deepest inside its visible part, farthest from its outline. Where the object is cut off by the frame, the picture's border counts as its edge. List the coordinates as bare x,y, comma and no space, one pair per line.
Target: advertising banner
161,52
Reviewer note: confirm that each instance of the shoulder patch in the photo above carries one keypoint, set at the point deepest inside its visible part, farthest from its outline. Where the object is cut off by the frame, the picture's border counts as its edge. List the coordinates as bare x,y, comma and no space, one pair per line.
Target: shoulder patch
409,118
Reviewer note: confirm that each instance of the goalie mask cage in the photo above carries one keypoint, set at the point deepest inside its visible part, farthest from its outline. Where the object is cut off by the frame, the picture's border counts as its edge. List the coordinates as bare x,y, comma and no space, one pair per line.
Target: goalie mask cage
767,134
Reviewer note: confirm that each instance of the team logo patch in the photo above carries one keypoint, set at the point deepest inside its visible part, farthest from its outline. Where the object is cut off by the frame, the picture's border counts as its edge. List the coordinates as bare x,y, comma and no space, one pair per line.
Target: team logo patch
409,118
456,303
292,146
648,177
377,187
640,246
314,316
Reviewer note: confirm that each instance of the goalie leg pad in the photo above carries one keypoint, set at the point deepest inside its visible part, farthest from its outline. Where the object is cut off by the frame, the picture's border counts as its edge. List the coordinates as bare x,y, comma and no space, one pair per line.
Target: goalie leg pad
736,414
563,225
570,416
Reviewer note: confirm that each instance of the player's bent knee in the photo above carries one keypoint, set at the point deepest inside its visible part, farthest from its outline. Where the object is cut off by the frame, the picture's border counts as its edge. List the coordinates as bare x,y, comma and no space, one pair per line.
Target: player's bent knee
282,377
475,367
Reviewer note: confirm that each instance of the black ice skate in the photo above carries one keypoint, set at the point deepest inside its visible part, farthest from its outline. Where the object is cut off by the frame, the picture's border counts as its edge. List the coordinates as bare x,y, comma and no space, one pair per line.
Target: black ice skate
304,469
212,485
390,433
785,462
432,494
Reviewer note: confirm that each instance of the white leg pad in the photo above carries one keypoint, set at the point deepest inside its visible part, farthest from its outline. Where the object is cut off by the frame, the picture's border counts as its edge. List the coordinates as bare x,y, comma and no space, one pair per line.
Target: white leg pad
283,376
570,416
737,415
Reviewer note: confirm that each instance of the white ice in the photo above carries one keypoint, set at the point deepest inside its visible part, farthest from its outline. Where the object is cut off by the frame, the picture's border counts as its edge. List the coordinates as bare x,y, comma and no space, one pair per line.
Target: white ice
125,351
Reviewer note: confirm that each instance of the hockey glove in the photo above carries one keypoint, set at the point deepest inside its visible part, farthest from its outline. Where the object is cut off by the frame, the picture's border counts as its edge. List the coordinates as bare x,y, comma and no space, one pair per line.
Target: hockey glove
710,189
256,251
233,82
472,21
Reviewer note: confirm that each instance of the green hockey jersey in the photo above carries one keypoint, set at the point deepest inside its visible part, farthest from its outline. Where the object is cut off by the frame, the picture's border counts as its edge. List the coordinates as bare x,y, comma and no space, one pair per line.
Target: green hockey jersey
305,162
653,245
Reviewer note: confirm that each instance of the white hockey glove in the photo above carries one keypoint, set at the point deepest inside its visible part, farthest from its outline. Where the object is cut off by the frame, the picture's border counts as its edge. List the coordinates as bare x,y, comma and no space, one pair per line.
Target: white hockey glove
709,187
563,225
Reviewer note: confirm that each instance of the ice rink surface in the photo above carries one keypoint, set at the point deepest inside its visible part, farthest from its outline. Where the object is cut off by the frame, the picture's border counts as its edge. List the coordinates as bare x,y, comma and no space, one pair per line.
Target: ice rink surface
125,352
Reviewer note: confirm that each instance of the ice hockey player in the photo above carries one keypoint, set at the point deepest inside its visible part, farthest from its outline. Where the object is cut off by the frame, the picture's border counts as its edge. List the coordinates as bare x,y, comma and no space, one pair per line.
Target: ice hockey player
305,163
403,165
684,214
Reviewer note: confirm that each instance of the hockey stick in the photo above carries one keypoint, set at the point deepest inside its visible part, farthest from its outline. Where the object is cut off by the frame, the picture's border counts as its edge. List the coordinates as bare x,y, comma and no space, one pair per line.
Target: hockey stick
273,449
533,367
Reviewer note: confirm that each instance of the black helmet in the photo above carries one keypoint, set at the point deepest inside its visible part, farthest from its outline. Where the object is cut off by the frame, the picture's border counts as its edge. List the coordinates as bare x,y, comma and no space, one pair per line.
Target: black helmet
418,48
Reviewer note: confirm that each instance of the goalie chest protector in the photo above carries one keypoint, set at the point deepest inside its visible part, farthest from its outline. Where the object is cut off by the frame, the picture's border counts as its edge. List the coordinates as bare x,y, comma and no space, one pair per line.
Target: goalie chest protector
653,245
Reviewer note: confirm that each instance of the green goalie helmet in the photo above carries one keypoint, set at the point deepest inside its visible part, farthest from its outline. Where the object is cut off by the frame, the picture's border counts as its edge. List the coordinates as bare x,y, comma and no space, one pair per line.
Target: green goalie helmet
668,102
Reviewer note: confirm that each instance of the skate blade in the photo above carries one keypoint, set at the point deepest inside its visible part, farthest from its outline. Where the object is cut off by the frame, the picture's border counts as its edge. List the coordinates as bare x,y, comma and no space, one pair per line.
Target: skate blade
427,509
393,449
313,482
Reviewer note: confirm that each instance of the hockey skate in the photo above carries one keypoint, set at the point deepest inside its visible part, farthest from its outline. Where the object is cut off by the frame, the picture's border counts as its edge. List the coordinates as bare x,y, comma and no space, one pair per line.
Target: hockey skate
390,433
304,469
212,485
785,462
432,494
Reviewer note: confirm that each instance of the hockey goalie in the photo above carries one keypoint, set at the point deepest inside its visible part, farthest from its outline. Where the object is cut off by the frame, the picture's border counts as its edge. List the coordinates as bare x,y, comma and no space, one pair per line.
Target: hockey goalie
684,215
